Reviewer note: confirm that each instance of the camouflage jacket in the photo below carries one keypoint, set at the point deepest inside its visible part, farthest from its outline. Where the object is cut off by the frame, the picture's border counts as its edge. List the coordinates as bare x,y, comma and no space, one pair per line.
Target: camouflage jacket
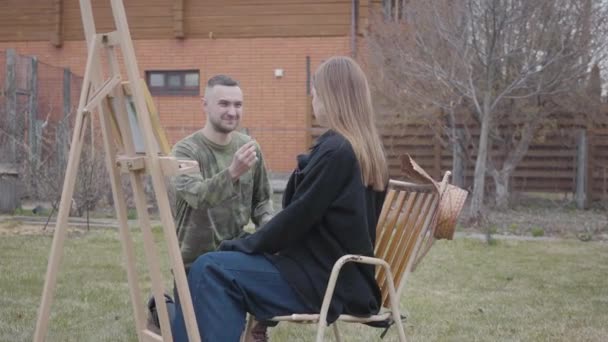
209,206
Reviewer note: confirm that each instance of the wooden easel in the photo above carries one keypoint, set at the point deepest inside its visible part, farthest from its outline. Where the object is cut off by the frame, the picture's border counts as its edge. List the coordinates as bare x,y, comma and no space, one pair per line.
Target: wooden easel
106,95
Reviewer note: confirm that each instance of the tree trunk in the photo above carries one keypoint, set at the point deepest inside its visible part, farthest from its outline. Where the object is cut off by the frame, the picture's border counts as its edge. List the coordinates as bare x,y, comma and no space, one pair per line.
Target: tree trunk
501,181
458,157
480,168
502,177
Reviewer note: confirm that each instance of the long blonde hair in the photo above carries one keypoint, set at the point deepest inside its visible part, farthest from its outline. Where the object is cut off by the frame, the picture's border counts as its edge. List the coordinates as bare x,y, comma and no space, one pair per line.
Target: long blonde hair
344,93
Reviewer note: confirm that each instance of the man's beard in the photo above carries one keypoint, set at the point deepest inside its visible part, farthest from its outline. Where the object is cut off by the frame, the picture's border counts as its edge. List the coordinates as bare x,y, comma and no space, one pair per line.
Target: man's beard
217,126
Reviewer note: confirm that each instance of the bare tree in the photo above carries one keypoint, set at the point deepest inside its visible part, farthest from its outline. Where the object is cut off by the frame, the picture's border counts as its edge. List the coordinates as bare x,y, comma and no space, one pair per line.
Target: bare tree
509,63
43,177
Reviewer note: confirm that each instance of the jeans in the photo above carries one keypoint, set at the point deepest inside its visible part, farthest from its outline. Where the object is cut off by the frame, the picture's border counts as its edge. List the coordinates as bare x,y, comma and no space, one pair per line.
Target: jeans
225,286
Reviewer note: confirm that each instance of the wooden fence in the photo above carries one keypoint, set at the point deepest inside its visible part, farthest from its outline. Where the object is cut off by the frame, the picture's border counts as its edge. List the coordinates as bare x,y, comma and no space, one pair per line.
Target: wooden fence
561,161
572,158
36,103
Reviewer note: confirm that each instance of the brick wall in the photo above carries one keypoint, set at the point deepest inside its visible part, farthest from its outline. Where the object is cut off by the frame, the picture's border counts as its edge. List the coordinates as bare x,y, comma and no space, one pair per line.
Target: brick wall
274,109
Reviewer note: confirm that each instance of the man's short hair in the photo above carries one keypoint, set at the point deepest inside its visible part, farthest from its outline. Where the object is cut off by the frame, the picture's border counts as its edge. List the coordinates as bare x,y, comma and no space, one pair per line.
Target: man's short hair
223,80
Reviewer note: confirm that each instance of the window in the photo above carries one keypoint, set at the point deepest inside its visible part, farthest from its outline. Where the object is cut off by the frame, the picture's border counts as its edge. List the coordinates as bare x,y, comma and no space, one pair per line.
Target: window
173,82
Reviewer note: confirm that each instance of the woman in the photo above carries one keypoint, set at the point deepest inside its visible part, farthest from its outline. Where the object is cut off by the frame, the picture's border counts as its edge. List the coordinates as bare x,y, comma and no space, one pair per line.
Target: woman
331,207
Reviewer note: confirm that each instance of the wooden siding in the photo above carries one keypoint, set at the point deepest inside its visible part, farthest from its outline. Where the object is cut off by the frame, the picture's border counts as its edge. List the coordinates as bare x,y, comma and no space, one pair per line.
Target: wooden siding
598,141
147,19
25,20
58,20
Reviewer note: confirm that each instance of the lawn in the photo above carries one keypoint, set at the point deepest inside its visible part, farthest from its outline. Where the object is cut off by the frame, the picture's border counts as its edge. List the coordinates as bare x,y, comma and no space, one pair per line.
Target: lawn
464,290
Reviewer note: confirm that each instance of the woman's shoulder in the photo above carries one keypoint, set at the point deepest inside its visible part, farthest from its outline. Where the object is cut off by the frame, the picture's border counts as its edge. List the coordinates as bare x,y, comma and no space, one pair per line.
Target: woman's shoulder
334,142
332,148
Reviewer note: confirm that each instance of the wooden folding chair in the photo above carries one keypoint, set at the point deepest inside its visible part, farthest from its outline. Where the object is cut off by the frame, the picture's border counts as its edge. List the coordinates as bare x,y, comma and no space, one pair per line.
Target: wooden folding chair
404,233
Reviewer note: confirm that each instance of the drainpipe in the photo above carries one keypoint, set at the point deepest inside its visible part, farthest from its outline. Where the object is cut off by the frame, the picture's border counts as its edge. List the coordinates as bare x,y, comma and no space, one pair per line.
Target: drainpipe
354,23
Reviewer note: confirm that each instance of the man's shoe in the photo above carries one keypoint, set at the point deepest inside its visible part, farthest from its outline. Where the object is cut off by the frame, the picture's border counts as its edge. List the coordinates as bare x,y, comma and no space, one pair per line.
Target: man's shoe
259,333
152,324
152,321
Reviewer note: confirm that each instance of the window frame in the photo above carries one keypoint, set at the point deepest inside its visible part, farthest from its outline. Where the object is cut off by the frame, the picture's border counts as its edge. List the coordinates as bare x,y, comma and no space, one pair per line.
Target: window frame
181,90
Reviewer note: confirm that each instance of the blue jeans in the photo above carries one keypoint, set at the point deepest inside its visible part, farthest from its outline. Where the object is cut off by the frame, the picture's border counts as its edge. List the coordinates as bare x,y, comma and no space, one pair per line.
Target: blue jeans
225,286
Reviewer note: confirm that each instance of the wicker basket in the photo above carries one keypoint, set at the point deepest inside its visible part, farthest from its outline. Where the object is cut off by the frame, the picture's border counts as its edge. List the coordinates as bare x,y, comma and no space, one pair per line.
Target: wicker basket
452,200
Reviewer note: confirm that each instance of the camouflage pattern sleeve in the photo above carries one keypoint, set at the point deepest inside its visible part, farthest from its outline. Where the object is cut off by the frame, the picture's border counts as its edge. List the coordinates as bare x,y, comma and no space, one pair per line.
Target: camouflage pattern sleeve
261,204
198,191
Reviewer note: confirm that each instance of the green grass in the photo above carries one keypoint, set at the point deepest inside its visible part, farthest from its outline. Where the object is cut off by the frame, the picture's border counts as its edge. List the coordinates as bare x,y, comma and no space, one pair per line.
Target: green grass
464,290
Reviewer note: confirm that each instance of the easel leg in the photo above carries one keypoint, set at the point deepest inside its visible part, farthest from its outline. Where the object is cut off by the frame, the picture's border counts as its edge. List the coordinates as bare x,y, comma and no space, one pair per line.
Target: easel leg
121,214
150,248
152,255
50,281
120,19
66,200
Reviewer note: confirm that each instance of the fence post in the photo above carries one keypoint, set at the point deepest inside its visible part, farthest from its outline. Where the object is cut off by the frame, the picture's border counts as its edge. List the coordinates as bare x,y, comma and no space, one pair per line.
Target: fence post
9,175
63,132
591,157
582,165
458,158
10,87
33,134
437,158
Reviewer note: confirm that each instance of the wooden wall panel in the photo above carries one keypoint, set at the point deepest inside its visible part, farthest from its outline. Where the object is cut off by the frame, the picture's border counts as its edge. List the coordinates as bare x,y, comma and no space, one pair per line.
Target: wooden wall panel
36,20
25,20
267,18
599,163
149,19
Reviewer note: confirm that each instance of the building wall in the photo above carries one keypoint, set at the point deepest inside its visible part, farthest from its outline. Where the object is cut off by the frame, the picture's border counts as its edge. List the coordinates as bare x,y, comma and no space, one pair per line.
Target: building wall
275,108
59,20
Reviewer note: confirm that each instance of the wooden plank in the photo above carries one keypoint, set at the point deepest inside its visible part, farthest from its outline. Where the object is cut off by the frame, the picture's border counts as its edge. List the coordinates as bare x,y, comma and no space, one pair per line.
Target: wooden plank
402,235
380,231
150,19
50,280
26,20
62,134
159,133
417,234
161,19
437,159
178,18
10,191
395,226
210,3
33,137
56,33
540,174
251,9
10,93
136,164
158,181
237,31
204,23
149,336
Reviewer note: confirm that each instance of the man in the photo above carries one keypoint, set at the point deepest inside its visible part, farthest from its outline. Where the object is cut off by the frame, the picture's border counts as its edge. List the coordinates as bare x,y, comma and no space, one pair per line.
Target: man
232,187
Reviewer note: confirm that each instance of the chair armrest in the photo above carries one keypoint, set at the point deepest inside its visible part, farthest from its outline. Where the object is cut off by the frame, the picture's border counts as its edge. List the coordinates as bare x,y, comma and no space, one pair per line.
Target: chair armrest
331,284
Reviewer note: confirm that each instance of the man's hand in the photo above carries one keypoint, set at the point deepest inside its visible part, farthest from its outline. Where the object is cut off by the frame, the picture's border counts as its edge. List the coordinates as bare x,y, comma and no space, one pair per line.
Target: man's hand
243,160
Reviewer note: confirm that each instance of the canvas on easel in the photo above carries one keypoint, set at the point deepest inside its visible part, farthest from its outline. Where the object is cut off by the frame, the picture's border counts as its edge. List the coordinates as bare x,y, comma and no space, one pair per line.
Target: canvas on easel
109,96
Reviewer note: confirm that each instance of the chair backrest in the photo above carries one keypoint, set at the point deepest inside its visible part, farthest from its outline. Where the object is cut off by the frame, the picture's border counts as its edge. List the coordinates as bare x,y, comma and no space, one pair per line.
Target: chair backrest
404,227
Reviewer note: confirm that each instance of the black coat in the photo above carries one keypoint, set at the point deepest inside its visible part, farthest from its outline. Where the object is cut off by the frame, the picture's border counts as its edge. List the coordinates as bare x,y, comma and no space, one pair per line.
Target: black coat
328,212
